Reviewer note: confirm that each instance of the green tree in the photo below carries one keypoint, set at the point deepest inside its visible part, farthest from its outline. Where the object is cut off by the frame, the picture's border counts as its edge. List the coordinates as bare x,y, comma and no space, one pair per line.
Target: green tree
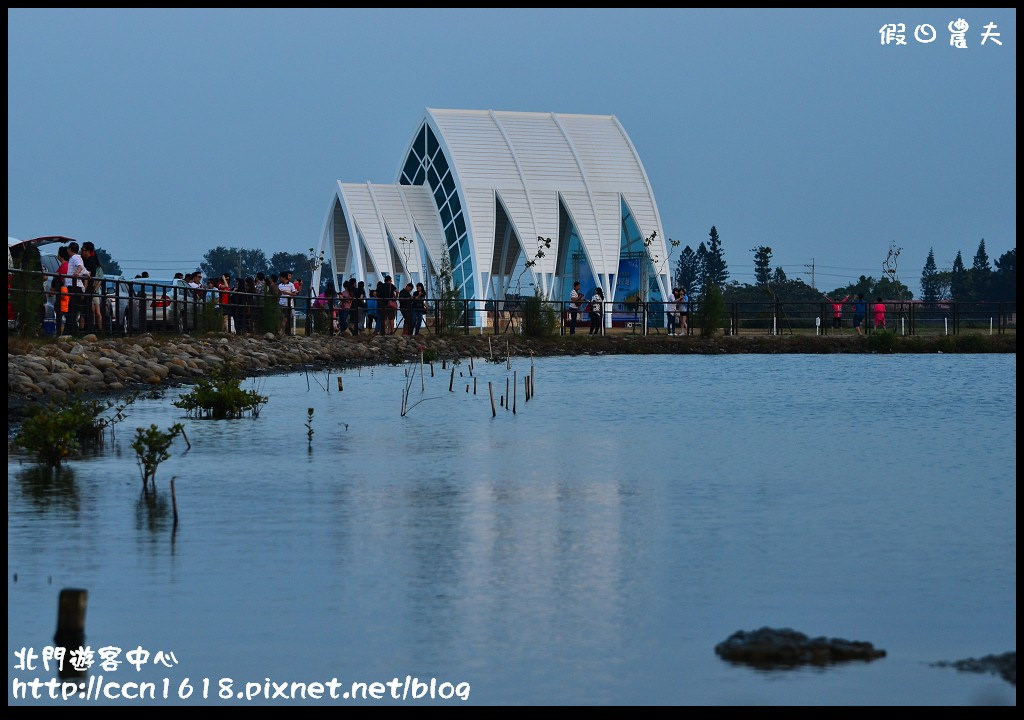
981,259
762,264
980,274
687,269
711,309
702,265
110,265
715,268
929,279
779,276
943,281
959,284
26,293
235,261
1004,280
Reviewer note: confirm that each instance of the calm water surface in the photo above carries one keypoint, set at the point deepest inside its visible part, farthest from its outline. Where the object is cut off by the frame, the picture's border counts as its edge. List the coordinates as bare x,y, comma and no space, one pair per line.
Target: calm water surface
593,548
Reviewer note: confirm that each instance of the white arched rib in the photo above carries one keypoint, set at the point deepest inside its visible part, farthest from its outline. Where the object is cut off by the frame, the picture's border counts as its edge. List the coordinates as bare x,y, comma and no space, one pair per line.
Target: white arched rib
590,196
526,191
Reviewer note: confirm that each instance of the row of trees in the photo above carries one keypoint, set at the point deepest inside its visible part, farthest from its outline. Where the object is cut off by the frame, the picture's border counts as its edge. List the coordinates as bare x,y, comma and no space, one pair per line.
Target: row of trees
706,264
248,262
696,269
979,283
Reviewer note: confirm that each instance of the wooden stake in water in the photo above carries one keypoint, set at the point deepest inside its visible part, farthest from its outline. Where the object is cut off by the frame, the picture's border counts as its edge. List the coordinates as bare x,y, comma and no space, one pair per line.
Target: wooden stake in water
531,378
467,388
431,369
71,618
526,387
340,386
174,505
506,392
490,391
451,381
474,386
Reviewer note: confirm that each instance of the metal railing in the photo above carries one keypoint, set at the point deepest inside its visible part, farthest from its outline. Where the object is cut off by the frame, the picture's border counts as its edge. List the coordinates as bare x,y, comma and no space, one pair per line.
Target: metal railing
139,306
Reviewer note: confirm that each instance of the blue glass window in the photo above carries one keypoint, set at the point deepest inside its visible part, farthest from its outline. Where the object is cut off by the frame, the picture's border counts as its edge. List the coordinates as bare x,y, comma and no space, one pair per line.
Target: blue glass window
431,145
446,214
411,165
427,164
449,185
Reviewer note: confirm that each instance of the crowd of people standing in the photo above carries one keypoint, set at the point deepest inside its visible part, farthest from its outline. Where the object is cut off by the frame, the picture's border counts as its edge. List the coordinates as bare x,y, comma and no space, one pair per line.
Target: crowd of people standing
353,310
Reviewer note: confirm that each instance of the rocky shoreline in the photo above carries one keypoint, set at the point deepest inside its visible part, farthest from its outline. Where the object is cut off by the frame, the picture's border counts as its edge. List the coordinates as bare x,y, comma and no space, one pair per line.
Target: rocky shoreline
53,369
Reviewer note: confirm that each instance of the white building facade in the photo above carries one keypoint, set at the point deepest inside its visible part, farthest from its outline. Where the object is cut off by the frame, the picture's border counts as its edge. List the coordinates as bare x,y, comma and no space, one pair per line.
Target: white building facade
486,189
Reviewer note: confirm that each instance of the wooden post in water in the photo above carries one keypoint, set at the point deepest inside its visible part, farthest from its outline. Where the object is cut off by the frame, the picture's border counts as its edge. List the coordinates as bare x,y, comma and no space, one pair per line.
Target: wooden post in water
174,504
474,386
340,386
451,381
423,379
531,378
431,369
467,387
71,618
502,401
526,387
490,391
515,392
443,364
506,393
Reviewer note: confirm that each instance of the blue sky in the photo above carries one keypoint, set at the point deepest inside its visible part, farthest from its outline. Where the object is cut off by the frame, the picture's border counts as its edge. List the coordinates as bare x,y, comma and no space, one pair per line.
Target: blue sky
158,134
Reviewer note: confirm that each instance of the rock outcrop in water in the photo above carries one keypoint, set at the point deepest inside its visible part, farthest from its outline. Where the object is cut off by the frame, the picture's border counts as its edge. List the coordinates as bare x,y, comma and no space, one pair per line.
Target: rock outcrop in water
1004,665
769,648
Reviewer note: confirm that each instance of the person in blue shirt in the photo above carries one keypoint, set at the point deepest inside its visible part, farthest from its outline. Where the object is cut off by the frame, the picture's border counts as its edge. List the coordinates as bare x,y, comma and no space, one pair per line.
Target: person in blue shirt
860,309
371,311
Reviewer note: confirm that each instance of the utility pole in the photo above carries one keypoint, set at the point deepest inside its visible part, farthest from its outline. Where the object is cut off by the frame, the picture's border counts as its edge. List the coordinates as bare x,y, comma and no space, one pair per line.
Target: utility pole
810,271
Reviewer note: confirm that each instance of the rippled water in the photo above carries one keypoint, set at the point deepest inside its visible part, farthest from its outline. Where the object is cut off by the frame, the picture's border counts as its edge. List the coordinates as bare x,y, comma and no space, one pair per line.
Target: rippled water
593,548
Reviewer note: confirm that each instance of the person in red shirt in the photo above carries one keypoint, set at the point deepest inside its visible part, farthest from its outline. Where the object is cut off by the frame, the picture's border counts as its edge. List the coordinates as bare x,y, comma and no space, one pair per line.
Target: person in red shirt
837,311
879,310
224,288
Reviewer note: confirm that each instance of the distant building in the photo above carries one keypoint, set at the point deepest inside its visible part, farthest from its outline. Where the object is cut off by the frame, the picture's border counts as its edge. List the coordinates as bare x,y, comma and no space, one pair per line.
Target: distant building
482,186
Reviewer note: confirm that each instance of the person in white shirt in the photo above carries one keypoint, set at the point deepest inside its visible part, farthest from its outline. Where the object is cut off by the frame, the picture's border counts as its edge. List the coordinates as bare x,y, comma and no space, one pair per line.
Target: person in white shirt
76,288
596,312
288,292
576,300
